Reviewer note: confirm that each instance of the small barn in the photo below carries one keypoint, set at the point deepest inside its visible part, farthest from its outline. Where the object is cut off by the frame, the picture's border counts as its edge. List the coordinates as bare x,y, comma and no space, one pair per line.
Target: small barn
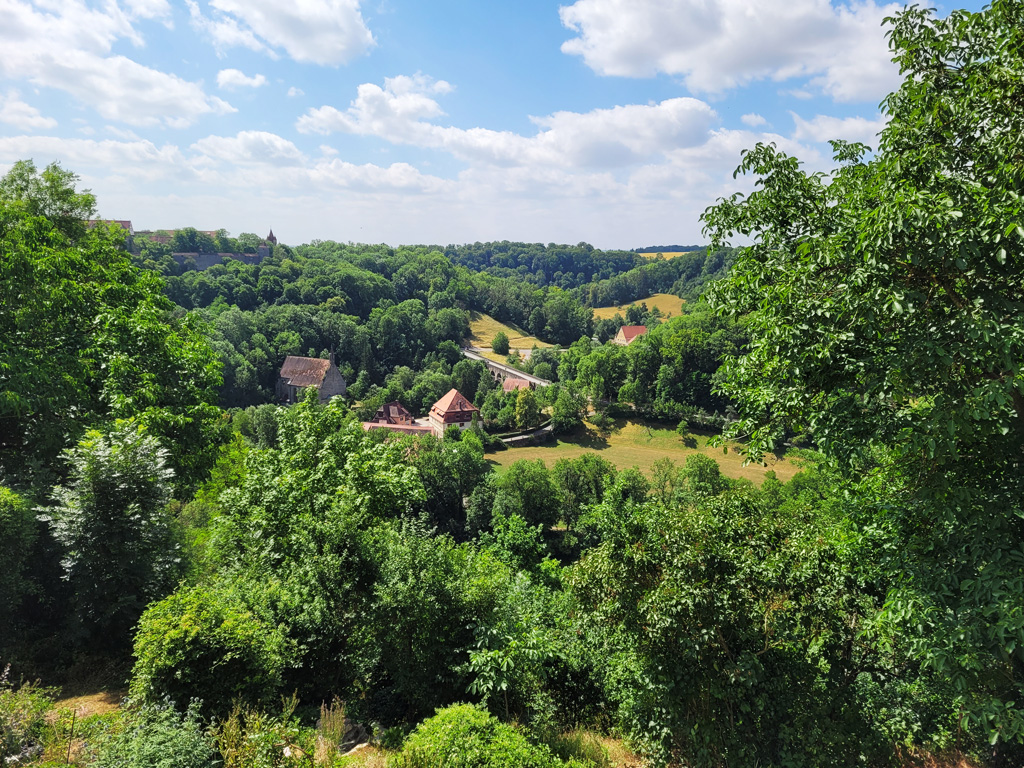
628,334
298,373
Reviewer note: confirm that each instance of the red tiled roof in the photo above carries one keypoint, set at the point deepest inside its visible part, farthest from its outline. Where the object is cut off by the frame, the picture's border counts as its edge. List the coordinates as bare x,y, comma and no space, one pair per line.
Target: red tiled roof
304,371
453,404
392,413
630,332
510,384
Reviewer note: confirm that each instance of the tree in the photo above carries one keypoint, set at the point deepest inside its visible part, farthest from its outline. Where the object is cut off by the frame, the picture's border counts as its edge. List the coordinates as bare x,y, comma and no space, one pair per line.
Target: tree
120,551
569,410
500,343
526,489
886,321
85,337
581,482
50,195
527,410
18,529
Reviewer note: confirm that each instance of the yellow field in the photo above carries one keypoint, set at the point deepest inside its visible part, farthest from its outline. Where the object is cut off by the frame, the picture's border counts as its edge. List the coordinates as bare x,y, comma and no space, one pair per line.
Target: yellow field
635,444
666,254
669,305
482,329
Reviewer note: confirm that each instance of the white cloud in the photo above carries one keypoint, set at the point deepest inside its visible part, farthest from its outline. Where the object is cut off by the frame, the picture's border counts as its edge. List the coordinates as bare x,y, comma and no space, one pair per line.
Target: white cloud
22,116
249,147
235,78
753,120
823,128
293,92
716,45
328,32
604,138
67,47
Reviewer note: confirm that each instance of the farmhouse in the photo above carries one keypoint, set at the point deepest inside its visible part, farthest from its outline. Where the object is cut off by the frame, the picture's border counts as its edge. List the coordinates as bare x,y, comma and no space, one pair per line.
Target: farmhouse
628,334
297,373
452,409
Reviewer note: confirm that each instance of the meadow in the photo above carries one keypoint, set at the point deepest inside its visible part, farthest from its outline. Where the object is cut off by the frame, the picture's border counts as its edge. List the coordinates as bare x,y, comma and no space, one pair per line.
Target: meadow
633,443
669,306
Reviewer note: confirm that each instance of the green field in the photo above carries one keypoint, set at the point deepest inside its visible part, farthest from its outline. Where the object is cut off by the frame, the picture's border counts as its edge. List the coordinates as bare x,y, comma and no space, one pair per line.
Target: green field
670,306
632,443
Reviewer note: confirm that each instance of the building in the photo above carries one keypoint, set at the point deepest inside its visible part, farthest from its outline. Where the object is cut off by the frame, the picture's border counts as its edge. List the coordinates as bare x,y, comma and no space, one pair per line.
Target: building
628,334
512,384
395,417
298,373
451,410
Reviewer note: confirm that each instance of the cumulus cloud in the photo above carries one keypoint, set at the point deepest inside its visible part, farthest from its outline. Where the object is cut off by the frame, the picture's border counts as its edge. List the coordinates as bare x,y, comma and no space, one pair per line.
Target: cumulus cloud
715,45
235,78
67,46
822,128
22,116
293,92
249,147
401,112
327,32
753,120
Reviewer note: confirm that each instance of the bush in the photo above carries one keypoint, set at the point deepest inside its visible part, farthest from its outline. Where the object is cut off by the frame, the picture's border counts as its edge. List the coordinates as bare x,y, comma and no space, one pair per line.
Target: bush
464,736
22,718
156,737
205,643
500,343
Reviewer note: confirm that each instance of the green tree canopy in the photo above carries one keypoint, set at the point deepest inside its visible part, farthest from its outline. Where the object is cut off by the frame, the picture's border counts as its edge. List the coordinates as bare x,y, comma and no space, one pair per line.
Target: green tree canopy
887,320
85,336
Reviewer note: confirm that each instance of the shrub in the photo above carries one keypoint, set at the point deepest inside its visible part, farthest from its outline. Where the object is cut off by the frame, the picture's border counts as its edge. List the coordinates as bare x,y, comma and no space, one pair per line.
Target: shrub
22,718
156,737
205,643
500,343
464,736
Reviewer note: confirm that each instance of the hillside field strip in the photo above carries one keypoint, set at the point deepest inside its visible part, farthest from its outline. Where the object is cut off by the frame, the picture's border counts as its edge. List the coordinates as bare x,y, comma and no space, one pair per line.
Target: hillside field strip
669,305
483,328
666,254
632,443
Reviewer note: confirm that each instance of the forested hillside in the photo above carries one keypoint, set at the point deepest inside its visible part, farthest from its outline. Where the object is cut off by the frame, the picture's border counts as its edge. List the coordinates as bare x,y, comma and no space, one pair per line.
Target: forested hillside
272,585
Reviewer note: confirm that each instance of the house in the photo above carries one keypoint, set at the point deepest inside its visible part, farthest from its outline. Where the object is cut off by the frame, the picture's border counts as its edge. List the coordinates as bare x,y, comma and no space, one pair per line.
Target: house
395,417
628,334
452,409
512,384
297,373
393,413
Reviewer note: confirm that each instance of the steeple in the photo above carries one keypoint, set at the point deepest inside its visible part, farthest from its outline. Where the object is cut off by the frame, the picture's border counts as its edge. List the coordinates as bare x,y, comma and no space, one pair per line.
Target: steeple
270,238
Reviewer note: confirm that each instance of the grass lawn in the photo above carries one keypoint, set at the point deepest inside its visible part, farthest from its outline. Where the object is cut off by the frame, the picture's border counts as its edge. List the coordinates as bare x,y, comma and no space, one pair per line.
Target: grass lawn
634,443
482,329
669,305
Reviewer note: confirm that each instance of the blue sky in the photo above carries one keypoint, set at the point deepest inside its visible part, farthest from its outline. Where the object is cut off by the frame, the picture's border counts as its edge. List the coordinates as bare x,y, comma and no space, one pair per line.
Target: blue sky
615,122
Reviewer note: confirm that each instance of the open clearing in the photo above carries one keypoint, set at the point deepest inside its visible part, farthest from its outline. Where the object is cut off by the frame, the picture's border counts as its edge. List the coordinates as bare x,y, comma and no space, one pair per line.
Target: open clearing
666,254
632,443
483,328
669,305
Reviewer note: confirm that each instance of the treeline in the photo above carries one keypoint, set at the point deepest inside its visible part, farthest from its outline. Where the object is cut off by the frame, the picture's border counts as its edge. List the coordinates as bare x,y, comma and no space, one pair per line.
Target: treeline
686,276
564,266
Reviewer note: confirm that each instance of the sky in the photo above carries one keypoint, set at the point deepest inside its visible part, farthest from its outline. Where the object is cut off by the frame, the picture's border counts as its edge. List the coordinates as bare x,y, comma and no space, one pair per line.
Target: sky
614,122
